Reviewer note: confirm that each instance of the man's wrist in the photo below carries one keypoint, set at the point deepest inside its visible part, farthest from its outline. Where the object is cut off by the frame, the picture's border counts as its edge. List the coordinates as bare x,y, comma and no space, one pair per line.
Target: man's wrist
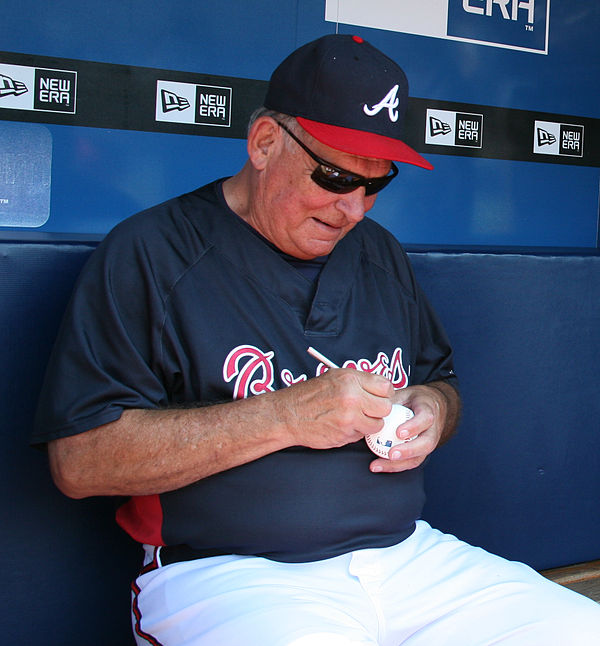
452,405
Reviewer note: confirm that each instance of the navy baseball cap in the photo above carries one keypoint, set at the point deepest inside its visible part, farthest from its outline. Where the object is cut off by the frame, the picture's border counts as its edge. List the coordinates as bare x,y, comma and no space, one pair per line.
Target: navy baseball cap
346,94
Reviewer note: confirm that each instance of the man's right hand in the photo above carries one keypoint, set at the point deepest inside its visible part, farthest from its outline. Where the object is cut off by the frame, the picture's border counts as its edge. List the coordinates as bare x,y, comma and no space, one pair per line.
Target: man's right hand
338,407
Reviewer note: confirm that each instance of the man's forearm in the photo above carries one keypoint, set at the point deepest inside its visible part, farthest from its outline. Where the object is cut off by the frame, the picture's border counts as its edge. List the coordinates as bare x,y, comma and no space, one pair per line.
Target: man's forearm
152,451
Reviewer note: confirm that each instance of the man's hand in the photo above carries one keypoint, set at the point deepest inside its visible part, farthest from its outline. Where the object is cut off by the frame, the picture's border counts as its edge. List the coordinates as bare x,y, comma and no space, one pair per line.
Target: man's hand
437,409
339,407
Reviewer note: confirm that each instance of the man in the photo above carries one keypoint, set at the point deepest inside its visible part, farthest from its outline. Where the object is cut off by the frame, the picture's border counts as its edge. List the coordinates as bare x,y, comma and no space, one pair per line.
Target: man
182,381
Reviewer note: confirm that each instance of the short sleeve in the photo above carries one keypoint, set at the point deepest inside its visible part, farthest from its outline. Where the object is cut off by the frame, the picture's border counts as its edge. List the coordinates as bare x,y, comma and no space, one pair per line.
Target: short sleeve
107,354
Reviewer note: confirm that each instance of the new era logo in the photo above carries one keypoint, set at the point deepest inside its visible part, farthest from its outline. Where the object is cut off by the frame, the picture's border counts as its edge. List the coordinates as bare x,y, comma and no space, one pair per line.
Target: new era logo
545,138
170,101
461,129
190,103
571,140
564,139
438,127
55,90
213,105
9,86
37,88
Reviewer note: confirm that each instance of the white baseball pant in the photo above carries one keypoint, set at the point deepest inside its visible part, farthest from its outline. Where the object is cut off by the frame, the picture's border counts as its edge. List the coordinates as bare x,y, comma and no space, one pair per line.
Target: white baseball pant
429,590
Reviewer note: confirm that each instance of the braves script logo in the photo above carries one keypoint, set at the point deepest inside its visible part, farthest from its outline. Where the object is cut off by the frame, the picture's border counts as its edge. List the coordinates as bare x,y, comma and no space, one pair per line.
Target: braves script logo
389,101
254,373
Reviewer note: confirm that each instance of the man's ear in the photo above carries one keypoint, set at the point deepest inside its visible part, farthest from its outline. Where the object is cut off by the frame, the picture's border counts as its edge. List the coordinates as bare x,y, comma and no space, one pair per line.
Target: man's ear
263,140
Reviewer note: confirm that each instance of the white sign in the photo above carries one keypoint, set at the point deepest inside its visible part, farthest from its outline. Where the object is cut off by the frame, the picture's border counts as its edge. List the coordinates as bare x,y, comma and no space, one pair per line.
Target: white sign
512,24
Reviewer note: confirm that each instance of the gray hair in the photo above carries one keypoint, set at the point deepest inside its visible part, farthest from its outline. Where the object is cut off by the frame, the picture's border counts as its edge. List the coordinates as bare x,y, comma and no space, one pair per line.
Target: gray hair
287,120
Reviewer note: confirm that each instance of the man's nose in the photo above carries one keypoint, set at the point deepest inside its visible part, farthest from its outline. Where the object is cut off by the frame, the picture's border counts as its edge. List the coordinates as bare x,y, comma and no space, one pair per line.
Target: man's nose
355,204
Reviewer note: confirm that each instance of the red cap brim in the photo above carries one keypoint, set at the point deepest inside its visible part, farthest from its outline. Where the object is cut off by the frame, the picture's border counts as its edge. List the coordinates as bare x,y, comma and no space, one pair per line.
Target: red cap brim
364,144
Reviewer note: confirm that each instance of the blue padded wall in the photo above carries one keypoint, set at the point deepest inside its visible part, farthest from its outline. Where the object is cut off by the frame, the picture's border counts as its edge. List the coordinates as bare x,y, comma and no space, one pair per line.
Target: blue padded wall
522,477
66,566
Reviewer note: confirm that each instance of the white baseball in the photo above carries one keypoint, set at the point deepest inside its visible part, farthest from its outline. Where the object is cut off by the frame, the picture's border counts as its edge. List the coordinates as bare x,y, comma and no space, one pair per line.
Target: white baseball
381,443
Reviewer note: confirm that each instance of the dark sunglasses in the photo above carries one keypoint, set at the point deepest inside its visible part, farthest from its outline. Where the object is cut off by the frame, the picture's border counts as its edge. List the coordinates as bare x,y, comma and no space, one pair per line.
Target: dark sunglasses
338,180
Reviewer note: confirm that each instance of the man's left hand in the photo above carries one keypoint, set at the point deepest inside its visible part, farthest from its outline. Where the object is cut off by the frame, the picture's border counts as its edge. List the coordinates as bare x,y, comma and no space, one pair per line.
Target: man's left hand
436,411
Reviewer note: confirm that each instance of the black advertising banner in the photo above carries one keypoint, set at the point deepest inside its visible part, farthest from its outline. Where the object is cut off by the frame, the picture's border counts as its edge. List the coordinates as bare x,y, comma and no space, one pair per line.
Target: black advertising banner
103,95
441,127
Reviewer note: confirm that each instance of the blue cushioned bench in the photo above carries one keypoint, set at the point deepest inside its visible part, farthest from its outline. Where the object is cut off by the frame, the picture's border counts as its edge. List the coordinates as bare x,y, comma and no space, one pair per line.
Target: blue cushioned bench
522,477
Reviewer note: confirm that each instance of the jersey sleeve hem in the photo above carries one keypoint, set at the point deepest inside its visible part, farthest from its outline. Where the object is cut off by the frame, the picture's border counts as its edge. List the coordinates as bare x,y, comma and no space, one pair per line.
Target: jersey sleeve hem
77,427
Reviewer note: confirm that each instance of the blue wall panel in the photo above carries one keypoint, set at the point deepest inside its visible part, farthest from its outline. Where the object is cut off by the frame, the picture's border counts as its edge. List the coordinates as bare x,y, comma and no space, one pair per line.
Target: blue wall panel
101,176
467,201
105,176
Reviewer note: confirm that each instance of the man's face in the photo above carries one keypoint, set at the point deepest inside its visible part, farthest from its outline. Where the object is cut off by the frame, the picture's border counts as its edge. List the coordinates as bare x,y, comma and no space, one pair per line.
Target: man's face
299,217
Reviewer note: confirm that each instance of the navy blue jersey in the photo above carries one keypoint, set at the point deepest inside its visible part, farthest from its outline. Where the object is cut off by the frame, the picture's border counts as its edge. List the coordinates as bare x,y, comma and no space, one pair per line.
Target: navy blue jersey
183,304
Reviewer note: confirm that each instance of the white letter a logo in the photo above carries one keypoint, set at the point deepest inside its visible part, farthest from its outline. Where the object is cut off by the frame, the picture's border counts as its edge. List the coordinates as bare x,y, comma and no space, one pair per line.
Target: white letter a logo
389,101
